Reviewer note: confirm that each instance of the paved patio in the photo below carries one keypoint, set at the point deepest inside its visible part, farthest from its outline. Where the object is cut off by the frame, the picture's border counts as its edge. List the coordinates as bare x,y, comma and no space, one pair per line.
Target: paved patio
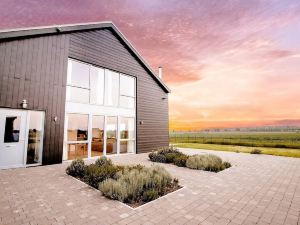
258,189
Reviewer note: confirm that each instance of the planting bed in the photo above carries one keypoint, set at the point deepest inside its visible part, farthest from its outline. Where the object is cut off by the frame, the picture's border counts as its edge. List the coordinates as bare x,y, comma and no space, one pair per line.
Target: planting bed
133,185
207,162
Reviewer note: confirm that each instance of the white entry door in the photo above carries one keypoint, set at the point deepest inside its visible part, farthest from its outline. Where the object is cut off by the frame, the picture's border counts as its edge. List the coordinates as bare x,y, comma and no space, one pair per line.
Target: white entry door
21,138
12,137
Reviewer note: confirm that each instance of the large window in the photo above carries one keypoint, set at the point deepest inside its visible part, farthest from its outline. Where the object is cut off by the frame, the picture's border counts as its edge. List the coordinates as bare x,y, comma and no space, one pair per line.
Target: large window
93,85
105,124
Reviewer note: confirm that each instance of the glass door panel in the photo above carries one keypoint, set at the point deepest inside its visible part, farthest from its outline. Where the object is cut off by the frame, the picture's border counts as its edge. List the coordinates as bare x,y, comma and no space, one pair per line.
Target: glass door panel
35,137
127,134
97,135
77,136
111,135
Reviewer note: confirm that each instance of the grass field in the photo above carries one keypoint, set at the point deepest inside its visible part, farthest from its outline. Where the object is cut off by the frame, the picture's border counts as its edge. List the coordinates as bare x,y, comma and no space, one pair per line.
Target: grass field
245,149
250,139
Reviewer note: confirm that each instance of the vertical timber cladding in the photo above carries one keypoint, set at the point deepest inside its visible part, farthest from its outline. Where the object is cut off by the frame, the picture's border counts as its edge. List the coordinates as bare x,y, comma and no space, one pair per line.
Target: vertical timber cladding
103,48
35,69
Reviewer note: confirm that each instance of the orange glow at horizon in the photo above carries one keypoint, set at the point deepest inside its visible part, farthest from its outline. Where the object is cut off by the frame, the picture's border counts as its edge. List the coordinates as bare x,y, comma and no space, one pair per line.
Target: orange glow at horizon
227,64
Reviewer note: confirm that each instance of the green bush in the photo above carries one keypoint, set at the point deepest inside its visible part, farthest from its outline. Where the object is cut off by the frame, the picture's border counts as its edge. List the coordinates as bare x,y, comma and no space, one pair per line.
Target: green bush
206,162
180,160
255,151
170,157
165,155
134,185
76,168
152,155
227,164
150,195
158,158
103,161
168,150
95,174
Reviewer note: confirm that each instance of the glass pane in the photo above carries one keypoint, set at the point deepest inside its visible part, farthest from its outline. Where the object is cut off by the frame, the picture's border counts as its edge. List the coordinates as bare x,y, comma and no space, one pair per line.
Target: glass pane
97,135
127,146
127,128
78,74
77,127
127,85
111,135
77,151
111,88
127,102
78,95
97,85
35,137
12,129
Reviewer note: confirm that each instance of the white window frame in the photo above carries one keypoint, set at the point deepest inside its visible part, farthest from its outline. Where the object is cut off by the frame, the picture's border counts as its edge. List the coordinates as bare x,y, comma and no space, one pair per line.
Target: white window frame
100,110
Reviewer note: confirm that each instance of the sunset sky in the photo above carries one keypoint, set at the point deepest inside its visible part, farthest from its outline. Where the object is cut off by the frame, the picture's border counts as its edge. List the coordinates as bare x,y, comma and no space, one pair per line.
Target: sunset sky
228,63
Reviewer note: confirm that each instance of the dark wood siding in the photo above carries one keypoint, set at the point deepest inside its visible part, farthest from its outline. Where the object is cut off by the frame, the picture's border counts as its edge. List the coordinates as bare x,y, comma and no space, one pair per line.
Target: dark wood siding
103,48
33,69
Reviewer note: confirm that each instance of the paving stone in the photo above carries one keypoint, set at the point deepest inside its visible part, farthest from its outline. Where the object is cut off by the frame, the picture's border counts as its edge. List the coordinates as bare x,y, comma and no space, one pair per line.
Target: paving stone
258,189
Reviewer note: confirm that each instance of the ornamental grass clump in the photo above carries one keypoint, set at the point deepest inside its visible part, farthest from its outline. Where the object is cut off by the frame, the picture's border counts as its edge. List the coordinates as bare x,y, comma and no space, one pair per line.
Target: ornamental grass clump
138,185
207,162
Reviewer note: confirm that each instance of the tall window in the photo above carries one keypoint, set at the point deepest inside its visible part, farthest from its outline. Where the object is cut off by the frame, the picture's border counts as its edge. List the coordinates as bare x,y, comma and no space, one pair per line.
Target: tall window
127,91
97,135
97,85
93,85
78,82
111,88
127,135
77,137
111,134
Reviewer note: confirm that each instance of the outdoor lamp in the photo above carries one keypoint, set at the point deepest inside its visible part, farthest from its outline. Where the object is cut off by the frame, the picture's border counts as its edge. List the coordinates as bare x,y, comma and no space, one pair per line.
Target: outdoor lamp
24,104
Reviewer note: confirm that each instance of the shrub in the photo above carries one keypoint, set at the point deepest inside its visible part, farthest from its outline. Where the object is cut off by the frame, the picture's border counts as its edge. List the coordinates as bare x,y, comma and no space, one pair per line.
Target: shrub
150,195
152,155
135,185
180,160
168,150
76,168
103,161
255,151
206,162
95,174
170,157
227,164
158,158
165,155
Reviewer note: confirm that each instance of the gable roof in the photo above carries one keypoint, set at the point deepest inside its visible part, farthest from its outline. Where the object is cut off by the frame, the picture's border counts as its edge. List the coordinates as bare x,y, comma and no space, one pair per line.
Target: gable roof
68,28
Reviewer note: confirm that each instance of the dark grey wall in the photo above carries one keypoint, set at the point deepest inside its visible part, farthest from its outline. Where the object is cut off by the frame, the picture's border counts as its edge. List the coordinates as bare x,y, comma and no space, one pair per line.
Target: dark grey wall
36,69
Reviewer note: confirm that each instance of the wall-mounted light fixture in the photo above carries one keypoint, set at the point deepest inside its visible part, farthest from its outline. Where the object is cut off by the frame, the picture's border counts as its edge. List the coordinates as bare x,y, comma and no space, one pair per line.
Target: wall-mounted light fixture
54,118
141,122
24,104
163,98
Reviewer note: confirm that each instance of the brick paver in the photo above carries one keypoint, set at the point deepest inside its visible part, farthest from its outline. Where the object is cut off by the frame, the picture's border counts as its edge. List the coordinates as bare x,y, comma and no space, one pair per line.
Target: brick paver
258,189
